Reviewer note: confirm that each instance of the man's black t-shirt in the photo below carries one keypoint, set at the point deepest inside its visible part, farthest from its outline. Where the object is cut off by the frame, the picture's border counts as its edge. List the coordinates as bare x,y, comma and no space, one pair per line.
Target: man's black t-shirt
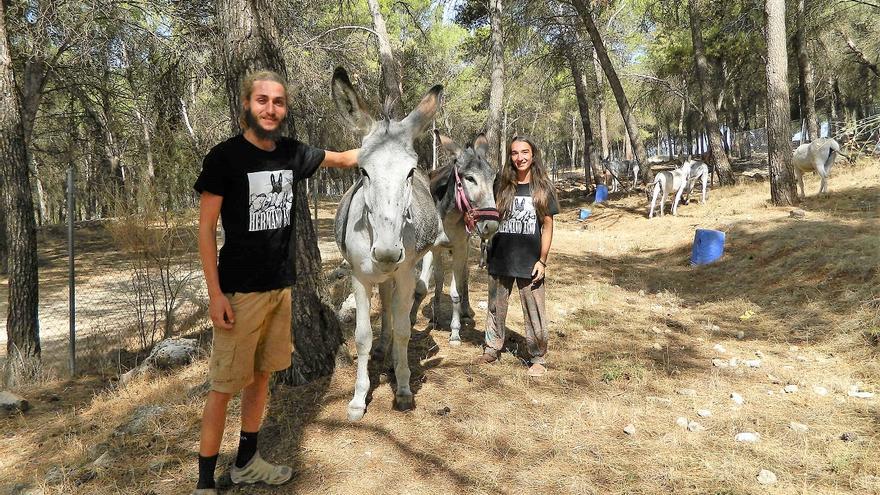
257,190
516,246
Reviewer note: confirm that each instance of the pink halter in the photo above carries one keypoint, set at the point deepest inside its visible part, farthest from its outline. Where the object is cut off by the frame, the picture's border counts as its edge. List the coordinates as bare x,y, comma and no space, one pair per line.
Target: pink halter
471,215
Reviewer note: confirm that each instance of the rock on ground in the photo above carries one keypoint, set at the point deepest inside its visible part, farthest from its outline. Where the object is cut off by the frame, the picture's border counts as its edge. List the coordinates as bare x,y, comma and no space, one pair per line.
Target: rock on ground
166,355
798,427
766,477
11,403
747,436
629,429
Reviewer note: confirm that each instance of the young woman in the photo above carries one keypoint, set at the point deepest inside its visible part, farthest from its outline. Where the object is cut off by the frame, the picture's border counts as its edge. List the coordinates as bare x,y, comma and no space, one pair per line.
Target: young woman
518,253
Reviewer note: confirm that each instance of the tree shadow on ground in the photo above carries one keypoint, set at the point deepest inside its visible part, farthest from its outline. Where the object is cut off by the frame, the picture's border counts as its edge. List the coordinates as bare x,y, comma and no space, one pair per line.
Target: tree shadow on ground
798,275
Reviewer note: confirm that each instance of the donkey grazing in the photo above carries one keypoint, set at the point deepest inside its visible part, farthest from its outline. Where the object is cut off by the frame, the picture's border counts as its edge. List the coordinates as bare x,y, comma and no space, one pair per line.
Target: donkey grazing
465,201
818,157
699,172
385,223
666,182
619,169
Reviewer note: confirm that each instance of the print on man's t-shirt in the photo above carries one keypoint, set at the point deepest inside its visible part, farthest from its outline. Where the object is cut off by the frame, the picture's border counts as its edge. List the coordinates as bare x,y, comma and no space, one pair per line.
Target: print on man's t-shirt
523,219
271,197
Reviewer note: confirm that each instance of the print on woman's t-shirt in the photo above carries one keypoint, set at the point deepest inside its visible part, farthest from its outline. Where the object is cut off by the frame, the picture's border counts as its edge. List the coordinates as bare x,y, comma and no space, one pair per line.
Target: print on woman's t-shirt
523,219
271,198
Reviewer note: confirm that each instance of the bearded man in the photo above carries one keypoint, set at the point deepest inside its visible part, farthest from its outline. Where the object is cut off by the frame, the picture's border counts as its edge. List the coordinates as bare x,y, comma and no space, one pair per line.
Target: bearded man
248,181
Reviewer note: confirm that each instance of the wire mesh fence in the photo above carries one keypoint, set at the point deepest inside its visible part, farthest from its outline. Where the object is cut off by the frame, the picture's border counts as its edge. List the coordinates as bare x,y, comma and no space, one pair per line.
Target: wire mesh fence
136,280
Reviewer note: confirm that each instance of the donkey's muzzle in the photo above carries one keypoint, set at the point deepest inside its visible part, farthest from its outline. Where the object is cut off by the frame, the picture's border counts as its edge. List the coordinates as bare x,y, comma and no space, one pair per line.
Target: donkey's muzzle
388,257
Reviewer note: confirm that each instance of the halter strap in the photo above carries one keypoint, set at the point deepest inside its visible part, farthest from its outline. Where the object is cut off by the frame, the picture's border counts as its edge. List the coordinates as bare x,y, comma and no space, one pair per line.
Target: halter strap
470,214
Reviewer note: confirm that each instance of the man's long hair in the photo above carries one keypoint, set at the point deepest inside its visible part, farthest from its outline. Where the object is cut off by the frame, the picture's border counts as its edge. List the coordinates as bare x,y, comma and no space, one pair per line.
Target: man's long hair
539,183
245,119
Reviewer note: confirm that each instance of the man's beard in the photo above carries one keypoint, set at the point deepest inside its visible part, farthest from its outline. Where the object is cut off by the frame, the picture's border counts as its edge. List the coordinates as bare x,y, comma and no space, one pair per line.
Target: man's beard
254,123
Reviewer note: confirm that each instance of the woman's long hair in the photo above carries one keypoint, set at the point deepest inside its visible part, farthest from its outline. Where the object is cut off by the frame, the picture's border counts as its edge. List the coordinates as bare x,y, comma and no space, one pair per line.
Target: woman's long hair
539,183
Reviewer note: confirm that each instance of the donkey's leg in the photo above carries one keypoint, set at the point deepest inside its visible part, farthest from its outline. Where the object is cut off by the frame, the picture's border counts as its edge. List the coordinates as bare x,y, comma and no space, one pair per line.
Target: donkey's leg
422,282
363,338
705,179
439,280
654,200
380,353
799,176
456,289
400,305
677,199
467,312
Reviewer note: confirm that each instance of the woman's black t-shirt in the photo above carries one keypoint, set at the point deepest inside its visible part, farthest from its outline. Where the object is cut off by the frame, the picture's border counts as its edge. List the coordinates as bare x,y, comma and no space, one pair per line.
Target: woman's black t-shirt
257,190
516,246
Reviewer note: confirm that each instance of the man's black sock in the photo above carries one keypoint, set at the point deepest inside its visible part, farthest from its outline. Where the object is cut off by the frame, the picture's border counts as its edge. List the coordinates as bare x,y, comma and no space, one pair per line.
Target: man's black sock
206,471
247,447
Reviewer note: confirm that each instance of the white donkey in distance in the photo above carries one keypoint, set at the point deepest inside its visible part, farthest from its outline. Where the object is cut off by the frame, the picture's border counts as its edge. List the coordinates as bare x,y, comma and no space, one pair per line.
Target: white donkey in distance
818,157
385,223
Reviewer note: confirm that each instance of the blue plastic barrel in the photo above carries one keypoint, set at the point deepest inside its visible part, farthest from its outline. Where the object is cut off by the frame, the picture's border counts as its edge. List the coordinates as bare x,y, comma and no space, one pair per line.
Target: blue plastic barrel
584,213
708,246
601,193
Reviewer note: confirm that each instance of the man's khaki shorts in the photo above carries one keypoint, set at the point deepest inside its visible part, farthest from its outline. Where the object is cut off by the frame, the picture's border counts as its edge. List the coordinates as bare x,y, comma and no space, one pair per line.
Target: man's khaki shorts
260,340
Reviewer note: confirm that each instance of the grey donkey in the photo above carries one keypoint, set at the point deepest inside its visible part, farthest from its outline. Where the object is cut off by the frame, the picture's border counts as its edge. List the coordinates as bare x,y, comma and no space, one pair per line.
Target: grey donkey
384,225
464,197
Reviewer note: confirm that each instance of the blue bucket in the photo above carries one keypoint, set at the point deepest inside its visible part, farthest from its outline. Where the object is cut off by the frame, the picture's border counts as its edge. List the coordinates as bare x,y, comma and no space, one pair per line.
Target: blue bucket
584,213
601,193
708,246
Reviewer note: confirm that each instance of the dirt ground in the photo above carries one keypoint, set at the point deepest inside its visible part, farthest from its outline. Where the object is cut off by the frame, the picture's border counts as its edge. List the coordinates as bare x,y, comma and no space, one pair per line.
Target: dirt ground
634,331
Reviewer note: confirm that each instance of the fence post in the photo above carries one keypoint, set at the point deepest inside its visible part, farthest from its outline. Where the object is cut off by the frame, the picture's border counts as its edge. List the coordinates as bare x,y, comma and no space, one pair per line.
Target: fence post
71,289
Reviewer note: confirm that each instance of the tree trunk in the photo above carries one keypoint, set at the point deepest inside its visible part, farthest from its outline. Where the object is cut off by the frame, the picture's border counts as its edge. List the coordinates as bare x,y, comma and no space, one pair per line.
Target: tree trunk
805,73
782,185
597,83
22,328
713,130
391,89
629,118
252,42
496,91
592,166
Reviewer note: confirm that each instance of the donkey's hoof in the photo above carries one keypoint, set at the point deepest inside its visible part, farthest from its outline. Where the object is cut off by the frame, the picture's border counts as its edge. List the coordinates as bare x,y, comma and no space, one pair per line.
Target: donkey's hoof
355,413
404,402
454,342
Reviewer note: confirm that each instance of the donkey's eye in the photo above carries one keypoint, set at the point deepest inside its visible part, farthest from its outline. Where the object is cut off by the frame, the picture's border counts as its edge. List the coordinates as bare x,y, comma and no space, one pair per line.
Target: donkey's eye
410,174
471,179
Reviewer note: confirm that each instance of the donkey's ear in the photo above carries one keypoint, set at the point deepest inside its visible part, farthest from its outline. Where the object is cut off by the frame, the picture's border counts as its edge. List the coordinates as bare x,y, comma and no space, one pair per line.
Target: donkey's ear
448,144
481,145
349,103
419,119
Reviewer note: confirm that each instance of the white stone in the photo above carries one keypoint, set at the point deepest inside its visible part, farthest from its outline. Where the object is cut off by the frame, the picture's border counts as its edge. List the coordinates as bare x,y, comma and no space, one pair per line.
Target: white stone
103,460
348,310
656,346
693,426
656,330
790,389
860,394
719,363
629,429
719,348
483,305
704,413
753,363
740,335
798,427
766,477
687,392
682,421
734,362
820,391
759,354
747,436
716,328
737,399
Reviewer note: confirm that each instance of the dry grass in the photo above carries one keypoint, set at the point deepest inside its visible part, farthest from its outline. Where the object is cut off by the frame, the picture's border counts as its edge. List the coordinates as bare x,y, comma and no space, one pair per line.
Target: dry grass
617,285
